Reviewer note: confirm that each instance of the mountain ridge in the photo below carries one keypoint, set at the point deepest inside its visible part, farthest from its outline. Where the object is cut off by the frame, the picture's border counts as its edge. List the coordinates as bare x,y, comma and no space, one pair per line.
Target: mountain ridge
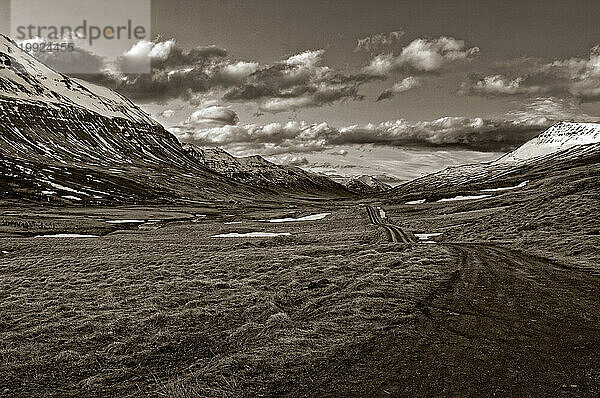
562,135
529,165
259,172
65,141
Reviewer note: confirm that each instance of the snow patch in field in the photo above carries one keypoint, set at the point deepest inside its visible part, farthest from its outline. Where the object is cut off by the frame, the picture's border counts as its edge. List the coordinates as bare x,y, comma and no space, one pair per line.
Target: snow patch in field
458,198
5,252
126,221
67,236
427,236
72,197
415,202
252,235
233,223
314,217
521,185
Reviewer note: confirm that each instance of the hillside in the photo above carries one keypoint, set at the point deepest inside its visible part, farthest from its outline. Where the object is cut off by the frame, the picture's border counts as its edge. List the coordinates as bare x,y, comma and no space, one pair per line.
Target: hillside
258,172
69,141
556,150
365,185
558,137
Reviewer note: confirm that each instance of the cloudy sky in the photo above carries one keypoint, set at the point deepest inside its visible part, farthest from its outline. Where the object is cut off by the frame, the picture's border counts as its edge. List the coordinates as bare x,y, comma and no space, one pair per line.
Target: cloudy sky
391,88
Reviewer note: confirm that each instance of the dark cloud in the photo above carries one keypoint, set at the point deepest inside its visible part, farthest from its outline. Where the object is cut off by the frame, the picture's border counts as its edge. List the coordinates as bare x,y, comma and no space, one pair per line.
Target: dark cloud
175,72
296,82
299,81
210,117
167,56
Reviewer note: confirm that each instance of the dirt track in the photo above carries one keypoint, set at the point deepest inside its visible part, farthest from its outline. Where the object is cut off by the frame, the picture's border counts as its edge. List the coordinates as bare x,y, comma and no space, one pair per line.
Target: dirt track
504,324
395,233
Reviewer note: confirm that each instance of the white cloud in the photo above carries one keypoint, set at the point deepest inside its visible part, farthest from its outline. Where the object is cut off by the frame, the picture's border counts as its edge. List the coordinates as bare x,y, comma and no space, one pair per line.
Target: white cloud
378,41
239,70
292,160
499,84
406,84
308,59
213,116
574,77
167,113
381,65
146,50
296,137
275,105
423,55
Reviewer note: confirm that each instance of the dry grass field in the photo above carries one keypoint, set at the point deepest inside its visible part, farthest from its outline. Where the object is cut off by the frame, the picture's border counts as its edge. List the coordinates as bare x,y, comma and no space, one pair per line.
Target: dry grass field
173,312
161,308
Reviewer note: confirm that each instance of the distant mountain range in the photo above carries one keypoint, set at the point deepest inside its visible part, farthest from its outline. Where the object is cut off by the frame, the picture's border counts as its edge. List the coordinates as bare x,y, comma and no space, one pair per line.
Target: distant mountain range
366,185
259,172
67,141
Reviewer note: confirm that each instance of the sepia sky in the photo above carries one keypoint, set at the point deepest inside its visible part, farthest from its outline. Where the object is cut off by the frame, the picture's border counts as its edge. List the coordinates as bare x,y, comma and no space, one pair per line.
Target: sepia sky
394,88
267,31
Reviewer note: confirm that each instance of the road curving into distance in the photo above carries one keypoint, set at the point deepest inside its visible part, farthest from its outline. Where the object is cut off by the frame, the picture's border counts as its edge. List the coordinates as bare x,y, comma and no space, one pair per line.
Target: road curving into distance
395,233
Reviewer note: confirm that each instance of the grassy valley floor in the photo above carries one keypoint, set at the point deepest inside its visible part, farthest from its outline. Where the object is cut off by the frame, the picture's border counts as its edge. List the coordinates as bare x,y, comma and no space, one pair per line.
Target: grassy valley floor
154,305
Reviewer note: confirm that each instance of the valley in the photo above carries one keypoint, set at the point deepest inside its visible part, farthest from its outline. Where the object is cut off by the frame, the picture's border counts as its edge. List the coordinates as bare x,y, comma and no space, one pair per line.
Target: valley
132,265
158,304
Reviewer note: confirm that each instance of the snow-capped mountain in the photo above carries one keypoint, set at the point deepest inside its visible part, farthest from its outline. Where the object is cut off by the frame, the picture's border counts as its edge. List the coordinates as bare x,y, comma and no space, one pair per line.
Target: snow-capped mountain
560,147
558,137
259,172
366,184
24,78
68,141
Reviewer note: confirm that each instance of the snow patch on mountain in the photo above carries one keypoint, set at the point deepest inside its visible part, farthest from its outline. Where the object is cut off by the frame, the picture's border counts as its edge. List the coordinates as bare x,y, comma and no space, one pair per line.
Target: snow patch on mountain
313,217
465,197
24,78
561,136
252,235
